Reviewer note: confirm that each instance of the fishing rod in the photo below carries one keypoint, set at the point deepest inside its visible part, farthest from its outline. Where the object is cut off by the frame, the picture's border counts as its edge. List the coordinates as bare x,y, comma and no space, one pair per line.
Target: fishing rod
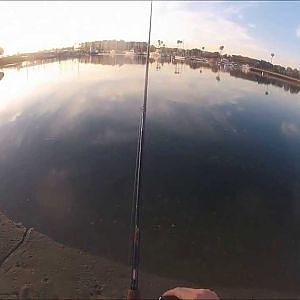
133,292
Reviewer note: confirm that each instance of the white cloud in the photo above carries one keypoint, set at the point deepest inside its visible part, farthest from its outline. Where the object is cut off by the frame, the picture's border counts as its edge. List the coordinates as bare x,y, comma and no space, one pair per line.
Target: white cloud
39,25
290,129
206,27
205,24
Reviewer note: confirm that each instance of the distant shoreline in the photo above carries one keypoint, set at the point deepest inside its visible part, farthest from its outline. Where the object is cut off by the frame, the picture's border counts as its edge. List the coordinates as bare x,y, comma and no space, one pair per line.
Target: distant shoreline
276,75
19,59
12,60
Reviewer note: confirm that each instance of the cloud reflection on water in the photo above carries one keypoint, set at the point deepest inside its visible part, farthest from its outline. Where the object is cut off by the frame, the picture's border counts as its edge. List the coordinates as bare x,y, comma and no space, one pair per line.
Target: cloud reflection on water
216,165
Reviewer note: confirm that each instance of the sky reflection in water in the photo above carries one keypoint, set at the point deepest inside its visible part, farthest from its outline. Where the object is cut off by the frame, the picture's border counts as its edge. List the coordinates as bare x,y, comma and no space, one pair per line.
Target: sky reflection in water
222,165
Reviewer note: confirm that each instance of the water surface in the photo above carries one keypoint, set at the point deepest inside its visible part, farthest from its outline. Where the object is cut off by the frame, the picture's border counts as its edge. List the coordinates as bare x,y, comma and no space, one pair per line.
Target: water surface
221,181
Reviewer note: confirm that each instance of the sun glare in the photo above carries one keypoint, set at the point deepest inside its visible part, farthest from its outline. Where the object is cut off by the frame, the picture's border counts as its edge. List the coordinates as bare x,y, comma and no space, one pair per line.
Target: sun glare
31,26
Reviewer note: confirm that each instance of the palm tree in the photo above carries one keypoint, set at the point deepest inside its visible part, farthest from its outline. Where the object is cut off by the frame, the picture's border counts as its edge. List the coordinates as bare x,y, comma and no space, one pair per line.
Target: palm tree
202,50
221,49
159,43
163,47
178,43
272,55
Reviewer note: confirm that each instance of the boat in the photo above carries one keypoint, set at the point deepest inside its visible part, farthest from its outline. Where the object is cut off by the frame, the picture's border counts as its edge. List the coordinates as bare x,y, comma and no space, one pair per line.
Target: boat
93,52
229,65
130,52
245,68
155,55
201,59
177,57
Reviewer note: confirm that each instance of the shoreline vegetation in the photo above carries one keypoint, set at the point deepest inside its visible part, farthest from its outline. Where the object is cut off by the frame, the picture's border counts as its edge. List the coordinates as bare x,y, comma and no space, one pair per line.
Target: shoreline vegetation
113,47
259,76
32,266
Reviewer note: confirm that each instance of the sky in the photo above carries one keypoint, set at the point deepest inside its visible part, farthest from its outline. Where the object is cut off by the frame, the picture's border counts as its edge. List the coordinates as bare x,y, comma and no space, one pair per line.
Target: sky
250,28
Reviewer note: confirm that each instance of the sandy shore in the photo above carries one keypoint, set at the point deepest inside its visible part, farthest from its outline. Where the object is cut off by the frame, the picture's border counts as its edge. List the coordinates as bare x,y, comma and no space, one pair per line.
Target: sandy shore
34,266
51,270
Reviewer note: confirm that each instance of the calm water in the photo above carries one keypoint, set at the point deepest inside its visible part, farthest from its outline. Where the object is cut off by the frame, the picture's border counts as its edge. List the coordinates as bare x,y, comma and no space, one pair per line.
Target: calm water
221,188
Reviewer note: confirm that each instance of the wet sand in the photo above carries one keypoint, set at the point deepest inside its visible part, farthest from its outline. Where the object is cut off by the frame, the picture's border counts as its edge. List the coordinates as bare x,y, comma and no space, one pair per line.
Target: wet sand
33,263
34,266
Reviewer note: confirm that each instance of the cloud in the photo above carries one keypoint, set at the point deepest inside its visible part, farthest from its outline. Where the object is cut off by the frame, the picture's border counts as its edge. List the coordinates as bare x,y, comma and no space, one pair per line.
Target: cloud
207,26
211,24
43,25
290,129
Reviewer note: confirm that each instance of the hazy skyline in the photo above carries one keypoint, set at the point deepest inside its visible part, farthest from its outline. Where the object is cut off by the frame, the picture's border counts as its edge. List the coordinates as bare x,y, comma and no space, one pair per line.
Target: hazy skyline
253,29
